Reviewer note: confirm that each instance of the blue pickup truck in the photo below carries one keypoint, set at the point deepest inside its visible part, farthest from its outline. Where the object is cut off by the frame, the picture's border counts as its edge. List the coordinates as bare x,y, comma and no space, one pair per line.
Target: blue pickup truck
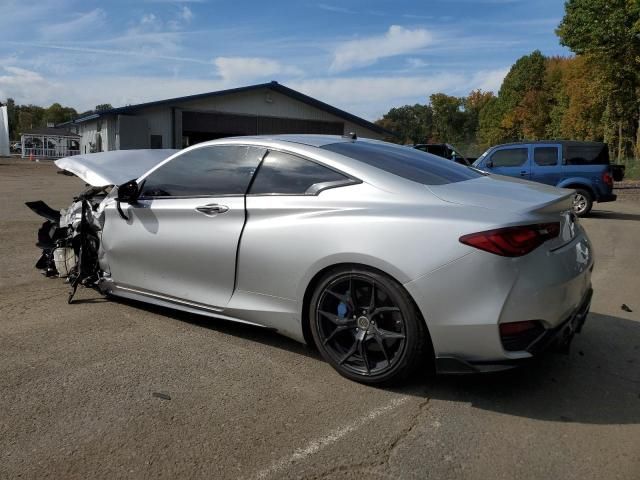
582,166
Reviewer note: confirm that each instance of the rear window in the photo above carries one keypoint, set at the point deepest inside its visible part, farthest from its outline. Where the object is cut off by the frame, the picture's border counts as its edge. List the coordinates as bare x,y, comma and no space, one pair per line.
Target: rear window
405,162
587,155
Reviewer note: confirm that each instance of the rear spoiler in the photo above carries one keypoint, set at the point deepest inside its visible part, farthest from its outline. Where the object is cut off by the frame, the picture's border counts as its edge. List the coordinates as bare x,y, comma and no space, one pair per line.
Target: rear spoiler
561,204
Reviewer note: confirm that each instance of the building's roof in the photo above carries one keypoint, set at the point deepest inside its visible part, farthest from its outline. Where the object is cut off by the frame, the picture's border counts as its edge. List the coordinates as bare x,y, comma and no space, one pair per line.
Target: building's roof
275,86
310,139
50,132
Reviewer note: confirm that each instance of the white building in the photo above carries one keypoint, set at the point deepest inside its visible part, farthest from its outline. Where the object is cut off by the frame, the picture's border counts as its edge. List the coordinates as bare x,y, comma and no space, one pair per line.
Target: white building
268,108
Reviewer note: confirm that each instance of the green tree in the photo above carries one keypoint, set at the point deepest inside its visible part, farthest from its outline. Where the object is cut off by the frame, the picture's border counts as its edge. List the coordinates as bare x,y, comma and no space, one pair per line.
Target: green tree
606,33
29,117
103,106
473,104
490,131
12,117
448,117
410,123
521,98
56,113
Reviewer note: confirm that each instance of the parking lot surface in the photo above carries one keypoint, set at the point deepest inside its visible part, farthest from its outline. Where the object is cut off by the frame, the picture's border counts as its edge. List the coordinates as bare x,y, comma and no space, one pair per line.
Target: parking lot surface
114,389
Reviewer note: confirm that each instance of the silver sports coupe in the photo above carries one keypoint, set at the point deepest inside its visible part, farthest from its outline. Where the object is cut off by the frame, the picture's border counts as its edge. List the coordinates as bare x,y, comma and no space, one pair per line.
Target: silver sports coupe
386,258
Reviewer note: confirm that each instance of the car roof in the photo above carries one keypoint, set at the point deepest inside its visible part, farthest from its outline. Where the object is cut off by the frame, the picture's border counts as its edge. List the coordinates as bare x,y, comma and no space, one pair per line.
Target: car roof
573,143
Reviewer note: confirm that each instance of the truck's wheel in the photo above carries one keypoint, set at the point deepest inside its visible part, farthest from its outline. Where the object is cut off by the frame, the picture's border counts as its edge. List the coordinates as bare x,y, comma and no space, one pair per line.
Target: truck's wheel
582,202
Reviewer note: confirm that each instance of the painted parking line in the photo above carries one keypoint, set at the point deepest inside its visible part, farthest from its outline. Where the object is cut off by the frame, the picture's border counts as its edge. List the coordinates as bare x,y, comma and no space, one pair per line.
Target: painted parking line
323,442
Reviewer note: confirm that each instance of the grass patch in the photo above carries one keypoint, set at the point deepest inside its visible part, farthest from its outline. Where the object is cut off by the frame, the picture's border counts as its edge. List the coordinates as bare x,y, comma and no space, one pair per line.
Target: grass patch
632,168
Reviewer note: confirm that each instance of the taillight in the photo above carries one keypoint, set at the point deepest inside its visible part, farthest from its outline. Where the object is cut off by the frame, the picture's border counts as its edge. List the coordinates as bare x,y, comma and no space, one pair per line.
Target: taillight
512,241
607,179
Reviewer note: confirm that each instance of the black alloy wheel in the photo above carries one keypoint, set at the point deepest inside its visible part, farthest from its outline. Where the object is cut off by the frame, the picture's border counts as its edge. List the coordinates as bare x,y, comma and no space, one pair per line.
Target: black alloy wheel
366,326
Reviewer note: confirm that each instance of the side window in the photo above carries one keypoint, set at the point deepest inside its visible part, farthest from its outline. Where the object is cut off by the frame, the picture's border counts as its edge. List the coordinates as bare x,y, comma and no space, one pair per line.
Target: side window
437,150
285,174
545,156
597,154
205,172
510,157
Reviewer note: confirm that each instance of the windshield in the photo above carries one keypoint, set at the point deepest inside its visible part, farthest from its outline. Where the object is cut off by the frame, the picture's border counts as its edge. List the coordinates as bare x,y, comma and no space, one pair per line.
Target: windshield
479,159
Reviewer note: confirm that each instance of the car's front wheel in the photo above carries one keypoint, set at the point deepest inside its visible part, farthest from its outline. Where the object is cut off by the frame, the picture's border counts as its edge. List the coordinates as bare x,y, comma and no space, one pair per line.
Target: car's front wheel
366,326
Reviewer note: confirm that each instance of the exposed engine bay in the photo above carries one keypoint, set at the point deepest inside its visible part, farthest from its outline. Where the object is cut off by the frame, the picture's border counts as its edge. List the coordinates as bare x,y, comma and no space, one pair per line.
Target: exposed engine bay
70,239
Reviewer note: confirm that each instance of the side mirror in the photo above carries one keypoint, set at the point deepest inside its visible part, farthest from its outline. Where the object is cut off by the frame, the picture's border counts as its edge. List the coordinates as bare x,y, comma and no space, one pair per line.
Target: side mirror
129,192
488,164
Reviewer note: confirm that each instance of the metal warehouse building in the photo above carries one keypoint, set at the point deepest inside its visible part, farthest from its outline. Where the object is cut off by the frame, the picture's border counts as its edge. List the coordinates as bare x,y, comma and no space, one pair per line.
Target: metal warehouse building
268,108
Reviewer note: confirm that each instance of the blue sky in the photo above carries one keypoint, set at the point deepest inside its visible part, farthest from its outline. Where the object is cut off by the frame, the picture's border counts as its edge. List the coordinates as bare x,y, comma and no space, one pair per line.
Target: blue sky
364,56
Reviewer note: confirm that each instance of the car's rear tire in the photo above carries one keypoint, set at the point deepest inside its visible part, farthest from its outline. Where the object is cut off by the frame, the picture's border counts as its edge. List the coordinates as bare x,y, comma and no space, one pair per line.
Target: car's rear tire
582,202
373,339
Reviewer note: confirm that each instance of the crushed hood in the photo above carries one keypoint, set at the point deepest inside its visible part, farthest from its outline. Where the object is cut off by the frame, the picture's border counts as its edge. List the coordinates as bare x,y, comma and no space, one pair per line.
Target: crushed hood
113,168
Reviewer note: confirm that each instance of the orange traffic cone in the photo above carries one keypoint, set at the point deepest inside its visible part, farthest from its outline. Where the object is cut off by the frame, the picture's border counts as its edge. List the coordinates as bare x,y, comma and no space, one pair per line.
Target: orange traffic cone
31,157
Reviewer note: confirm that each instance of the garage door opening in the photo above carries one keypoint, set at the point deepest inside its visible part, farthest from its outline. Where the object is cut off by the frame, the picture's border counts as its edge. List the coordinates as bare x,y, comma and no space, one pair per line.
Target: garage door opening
202,126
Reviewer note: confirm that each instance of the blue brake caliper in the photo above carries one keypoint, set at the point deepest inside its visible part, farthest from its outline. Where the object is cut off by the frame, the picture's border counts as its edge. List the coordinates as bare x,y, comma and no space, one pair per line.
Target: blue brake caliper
342,310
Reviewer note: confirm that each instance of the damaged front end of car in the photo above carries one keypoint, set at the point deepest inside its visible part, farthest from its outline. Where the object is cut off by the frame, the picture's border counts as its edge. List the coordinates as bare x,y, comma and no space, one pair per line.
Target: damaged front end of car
70,239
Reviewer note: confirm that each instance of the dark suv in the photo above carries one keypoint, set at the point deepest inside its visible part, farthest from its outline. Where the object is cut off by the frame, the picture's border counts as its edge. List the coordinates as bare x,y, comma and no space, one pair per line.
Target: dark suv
443,150
582,166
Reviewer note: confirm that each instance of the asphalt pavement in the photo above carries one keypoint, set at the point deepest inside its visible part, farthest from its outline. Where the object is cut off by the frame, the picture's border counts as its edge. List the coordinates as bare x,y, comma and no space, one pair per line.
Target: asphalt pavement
114,389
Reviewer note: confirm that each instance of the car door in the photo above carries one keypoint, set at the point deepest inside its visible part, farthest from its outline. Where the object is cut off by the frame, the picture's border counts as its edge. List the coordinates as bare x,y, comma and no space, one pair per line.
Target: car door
181,237
285,194
512,161
545,167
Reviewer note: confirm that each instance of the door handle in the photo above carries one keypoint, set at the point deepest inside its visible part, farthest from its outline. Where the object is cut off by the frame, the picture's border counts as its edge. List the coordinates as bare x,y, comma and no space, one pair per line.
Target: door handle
212,209
523,173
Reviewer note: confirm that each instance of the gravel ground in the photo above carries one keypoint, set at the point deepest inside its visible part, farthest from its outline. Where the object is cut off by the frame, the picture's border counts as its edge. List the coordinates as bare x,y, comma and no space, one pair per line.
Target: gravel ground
112,389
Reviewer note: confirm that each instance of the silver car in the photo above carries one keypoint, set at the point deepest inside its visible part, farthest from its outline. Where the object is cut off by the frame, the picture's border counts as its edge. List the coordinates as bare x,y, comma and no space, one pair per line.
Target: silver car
387,259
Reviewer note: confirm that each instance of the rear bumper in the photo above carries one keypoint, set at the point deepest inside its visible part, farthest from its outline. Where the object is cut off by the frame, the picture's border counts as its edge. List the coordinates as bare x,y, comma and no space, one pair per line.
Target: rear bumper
607,197
557,339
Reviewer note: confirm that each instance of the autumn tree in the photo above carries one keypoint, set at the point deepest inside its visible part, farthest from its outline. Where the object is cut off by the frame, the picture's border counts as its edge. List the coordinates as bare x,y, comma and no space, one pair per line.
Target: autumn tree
606,33
473,104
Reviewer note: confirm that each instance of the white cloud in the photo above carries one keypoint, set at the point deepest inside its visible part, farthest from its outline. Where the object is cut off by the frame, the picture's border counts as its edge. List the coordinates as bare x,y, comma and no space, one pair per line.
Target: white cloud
488,80
27,86
78,26
416,63
366,51
149,19
186,14
334,8
366,96
371,97
244,69
143,51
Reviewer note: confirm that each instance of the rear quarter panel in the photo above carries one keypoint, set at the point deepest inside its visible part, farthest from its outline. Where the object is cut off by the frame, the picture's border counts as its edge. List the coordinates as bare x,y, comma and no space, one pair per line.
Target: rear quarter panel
288,239
589,176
